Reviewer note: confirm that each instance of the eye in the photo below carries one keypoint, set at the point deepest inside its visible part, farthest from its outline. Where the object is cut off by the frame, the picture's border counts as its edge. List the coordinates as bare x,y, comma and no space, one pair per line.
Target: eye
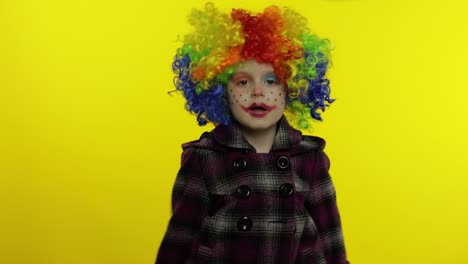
242,82
272,81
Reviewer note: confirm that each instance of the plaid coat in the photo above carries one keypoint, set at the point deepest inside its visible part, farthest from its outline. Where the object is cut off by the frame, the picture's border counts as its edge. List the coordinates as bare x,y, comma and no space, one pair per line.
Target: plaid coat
233,205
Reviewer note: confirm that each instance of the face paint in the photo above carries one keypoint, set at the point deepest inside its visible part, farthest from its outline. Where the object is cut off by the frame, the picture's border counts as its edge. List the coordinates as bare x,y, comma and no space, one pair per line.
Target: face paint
256,96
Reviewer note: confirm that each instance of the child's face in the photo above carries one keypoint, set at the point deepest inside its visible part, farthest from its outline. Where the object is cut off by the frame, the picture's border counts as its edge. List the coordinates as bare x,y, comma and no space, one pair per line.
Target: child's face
256,96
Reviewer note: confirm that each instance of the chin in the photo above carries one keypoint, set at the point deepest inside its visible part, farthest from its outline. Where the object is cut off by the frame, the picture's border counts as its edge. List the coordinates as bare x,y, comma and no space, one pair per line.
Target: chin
258,124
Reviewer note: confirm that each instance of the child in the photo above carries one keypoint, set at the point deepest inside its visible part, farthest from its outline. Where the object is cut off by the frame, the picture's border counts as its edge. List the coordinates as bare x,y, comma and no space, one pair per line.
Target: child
254,189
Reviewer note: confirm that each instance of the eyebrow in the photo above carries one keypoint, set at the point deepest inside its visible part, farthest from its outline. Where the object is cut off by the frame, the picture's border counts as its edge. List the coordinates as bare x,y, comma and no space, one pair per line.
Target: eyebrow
266,74
271,74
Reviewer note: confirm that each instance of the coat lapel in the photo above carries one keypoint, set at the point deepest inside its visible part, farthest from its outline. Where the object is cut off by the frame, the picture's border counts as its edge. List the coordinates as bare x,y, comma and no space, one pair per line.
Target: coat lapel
231,136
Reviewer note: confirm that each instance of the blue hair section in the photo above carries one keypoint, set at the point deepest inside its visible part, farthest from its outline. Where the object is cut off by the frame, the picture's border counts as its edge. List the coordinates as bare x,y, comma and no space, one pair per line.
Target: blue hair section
317,95
208,105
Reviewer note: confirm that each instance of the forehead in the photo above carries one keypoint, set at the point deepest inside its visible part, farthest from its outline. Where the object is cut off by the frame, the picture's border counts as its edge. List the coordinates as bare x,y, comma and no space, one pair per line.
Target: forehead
253,66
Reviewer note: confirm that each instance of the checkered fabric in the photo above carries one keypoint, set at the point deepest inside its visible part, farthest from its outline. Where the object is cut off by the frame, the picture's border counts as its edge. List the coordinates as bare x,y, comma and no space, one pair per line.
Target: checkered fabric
232,205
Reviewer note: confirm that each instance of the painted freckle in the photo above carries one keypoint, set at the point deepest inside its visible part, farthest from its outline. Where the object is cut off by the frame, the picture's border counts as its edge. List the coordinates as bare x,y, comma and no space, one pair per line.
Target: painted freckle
237,101
276,99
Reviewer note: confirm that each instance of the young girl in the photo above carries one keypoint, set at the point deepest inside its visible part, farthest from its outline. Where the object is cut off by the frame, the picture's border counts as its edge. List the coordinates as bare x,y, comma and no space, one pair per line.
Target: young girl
254,189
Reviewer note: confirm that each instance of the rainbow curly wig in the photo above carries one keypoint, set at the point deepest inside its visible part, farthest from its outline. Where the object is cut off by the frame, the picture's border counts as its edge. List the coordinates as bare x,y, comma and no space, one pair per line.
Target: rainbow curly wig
204,63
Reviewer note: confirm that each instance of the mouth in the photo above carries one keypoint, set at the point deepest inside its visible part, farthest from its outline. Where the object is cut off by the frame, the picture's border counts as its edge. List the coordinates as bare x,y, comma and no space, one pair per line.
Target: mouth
258,109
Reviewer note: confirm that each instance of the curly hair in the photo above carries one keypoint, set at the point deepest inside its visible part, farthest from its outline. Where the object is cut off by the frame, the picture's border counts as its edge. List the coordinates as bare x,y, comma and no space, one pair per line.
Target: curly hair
280,36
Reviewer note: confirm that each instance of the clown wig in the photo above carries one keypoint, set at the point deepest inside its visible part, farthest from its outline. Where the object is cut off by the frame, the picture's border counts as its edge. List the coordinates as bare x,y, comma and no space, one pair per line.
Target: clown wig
208,56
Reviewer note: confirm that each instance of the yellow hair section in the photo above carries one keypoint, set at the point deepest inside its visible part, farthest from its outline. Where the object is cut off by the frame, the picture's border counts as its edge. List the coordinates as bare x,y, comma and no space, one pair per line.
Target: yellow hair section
213,45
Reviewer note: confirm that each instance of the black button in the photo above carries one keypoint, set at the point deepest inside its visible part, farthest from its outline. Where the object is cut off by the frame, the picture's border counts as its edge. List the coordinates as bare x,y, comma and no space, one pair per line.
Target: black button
243,191
286,189
244,224
282,162
239,164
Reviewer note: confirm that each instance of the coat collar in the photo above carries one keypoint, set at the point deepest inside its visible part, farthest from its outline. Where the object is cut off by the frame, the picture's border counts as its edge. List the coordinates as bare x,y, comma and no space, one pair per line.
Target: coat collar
286,137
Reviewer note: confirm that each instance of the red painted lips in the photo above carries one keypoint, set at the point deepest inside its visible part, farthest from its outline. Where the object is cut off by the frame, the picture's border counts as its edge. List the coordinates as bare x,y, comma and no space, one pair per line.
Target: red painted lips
258,110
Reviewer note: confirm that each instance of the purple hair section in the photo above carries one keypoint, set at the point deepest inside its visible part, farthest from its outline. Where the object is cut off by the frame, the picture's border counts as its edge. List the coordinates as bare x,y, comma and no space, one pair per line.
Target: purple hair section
318,94
208,105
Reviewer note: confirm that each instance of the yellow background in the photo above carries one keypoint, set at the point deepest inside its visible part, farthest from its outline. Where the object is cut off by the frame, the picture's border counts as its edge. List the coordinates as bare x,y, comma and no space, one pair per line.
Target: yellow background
90,139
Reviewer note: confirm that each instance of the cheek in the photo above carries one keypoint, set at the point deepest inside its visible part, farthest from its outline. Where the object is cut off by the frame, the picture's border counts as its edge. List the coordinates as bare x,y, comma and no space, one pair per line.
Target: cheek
275,97
237,96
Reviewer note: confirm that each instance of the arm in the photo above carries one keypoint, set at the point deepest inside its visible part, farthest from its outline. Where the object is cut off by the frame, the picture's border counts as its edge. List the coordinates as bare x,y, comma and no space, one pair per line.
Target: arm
322,206
189,206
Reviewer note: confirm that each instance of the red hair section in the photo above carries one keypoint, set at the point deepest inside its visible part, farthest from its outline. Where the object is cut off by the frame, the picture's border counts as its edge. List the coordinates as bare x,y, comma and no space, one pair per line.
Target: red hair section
264,41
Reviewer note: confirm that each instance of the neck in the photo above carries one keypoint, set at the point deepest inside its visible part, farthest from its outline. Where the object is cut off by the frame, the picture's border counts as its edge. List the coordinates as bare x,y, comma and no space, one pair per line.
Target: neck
261,140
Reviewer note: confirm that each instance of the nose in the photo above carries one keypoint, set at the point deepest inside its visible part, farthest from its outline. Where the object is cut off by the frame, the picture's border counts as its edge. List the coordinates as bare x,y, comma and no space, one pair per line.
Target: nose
257,91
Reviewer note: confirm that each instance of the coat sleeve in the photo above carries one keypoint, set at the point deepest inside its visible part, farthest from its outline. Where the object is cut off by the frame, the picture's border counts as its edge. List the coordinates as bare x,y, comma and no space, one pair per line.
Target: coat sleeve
189,206
321,203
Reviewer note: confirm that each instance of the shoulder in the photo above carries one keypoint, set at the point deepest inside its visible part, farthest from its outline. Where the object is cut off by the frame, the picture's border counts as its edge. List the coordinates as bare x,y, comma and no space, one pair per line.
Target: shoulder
309,144
313,142
205,142
193,152
196,154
